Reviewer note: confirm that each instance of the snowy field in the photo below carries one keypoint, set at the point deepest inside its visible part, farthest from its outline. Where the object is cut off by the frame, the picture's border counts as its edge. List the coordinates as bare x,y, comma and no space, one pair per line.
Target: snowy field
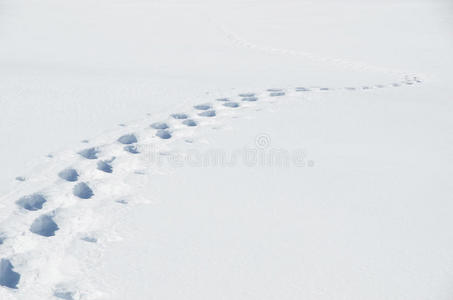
226,149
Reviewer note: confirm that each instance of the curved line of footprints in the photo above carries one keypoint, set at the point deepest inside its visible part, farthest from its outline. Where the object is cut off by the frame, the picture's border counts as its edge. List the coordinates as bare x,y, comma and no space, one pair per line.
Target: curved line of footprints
45,225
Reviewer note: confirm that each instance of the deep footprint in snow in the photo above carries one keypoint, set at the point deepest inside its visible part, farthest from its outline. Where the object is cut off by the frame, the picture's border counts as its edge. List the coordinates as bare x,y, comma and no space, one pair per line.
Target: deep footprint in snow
231,104
82,190
131,149
189,122
277,94
31,202
44,225
90,153
208,113
202,106
127,139
179,116
163,134
250,99
8,277
104,166
69,174
159,125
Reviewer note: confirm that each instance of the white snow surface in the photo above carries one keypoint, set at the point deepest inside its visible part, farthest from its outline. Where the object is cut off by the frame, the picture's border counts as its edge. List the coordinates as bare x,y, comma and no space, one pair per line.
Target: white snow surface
329,177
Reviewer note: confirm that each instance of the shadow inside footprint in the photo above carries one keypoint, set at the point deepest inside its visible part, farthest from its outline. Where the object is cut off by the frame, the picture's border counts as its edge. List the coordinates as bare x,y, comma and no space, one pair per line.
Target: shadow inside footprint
82,190
69,174
31,202
189,122
163,134
302,89
104,166
159,125
44,225
90,153
178,116
89,239
231,104
8,277
244,95
127,139
250,99
208,113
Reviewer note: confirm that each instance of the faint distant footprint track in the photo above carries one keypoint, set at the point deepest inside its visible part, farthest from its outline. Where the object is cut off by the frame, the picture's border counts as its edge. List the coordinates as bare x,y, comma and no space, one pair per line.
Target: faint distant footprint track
277,94
231,104
203,106
159,125
32,202
69,174
82,190
208,113
250,99
44,226
179,116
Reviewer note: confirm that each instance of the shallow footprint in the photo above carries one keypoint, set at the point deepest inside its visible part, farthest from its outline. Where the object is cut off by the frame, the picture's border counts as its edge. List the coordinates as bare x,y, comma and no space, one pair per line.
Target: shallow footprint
250,99
223,99
189,122
302,89
179,116
231,104
277,94
208,113
245,95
